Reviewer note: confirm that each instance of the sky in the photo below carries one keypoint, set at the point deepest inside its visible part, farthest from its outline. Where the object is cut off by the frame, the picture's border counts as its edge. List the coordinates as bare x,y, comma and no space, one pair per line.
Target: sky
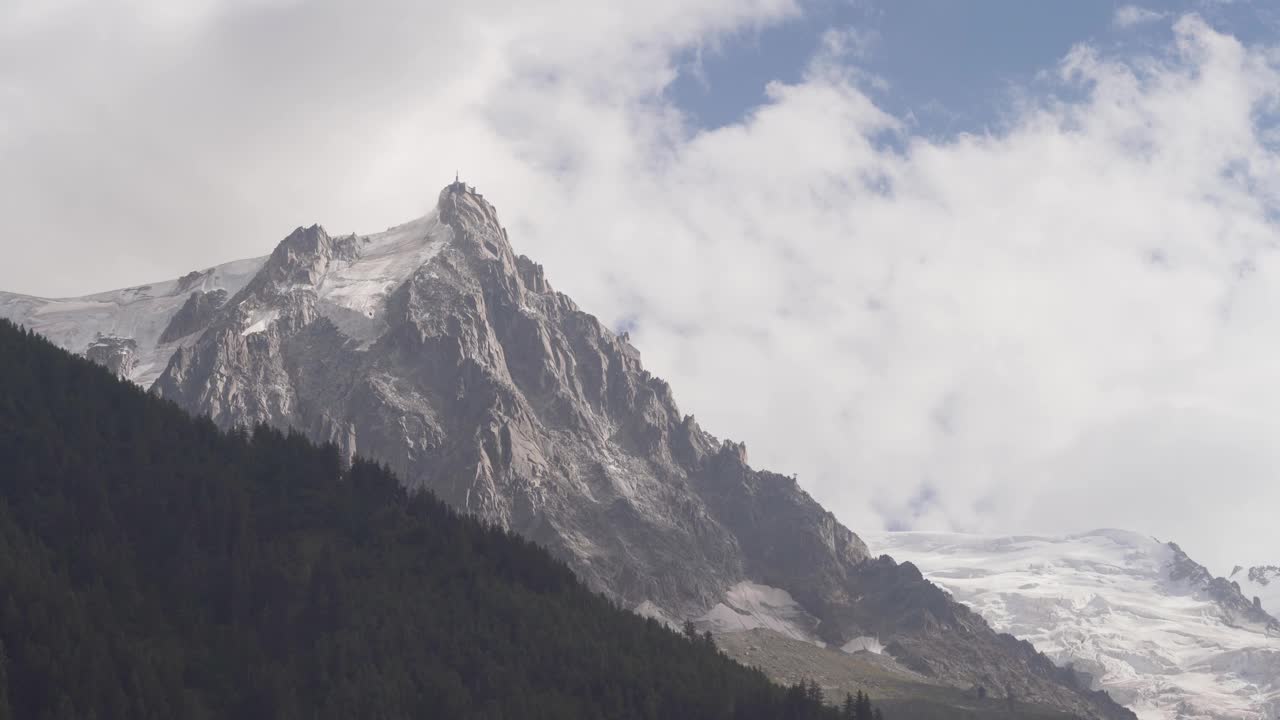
994,266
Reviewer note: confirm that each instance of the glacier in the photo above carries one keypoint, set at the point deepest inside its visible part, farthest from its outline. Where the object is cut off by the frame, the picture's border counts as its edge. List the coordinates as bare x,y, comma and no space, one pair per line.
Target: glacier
1132,613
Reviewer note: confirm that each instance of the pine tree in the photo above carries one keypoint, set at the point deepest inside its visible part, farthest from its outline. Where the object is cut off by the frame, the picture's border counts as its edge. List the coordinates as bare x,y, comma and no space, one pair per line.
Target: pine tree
863,707
794,702
849,710
813,693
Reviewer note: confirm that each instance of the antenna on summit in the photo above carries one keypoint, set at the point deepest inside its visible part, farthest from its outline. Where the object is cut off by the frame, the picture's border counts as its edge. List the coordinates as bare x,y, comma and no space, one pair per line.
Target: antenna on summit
460,187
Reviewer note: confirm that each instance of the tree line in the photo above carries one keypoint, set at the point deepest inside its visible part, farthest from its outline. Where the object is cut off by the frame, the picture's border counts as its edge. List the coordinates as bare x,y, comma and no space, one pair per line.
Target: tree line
152,566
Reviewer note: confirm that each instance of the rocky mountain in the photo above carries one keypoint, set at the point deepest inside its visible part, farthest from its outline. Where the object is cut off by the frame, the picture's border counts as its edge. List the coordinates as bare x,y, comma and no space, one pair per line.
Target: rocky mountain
1260,583
1137,616
435,349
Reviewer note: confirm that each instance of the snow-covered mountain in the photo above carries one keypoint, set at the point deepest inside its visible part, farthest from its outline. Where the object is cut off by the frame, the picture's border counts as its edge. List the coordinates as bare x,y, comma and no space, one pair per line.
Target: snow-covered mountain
133,331
1143,620
434,348
1261,582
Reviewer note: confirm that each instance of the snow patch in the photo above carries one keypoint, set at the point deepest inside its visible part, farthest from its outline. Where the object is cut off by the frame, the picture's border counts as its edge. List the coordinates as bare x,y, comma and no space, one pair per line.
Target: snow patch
749,605
865,643
353,293
259,320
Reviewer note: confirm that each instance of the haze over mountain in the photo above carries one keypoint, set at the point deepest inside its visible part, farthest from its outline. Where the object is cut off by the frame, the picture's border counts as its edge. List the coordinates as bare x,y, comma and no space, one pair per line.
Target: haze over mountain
435,349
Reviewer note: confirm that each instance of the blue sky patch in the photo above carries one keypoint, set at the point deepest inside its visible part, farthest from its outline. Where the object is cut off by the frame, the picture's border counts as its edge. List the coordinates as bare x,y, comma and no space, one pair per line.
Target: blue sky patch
948,67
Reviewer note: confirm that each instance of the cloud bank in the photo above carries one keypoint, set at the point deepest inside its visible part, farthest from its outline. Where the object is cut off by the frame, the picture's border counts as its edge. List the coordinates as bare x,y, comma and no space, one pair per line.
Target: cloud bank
1060,325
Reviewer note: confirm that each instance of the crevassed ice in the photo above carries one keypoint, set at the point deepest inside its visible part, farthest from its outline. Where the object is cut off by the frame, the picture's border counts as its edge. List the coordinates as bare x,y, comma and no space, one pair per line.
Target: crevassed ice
1102,601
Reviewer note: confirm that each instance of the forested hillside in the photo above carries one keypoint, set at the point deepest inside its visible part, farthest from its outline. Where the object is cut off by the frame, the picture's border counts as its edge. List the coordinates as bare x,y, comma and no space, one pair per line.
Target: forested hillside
152,566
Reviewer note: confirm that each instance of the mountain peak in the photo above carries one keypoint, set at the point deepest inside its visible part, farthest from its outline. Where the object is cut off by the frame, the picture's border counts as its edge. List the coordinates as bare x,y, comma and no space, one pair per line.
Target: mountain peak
460,192
457,186
475,221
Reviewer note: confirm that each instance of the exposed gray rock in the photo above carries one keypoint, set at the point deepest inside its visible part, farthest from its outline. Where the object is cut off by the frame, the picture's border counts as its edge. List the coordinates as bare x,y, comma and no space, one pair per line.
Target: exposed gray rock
116,354
1264,574
194,315
1262,584
1236,607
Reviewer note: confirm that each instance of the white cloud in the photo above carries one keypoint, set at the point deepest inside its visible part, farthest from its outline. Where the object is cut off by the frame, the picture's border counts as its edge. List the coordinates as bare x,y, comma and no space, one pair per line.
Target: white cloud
1064,325
1130,15
966,321
154,135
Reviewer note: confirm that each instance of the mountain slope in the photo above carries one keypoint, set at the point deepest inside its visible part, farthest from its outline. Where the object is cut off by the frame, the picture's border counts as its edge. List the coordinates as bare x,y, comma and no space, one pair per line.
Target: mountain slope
153,567
433,348
1141,618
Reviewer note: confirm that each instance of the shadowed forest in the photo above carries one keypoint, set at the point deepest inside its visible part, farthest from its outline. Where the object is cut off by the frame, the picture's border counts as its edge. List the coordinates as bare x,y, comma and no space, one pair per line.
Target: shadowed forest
152,566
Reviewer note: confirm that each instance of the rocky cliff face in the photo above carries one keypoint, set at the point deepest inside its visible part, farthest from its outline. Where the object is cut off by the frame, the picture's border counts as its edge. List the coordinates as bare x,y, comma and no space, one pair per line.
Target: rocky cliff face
1261,584
194,315
481,382
435,349
117,354
1234,607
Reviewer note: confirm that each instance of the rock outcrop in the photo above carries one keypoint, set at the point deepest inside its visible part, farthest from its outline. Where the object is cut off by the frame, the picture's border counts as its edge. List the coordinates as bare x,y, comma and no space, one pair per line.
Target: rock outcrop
1261,583
116,354
1235,607
194,315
